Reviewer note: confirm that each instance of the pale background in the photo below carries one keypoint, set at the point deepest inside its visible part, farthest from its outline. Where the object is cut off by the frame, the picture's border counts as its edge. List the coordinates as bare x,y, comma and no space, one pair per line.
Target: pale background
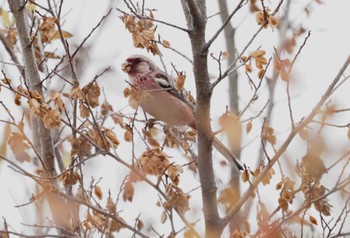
319,62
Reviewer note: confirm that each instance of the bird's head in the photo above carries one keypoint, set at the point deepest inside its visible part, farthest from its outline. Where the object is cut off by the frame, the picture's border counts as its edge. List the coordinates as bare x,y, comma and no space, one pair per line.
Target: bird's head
138,64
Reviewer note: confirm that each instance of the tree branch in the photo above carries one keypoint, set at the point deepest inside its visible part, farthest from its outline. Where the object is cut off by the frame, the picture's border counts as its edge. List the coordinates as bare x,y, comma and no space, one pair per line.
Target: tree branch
225,23
286,143
41,135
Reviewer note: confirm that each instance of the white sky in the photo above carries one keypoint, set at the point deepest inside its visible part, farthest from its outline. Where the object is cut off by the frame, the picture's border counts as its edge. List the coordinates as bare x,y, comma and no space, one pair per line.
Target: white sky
324,54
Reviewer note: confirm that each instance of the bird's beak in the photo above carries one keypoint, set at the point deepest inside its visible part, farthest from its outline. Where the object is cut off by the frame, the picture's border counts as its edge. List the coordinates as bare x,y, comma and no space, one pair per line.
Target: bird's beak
126,67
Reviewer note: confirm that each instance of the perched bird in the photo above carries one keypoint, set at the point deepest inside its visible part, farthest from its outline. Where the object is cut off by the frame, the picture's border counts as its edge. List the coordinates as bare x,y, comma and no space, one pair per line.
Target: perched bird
161,100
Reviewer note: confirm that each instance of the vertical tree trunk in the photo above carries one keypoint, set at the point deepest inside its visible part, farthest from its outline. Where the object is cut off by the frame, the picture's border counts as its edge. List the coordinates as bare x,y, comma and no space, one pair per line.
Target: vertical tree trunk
195,13
229,32
41,135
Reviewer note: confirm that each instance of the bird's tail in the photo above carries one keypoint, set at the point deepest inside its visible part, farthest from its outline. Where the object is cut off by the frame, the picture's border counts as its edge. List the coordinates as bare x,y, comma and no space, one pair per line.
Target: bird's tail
231,158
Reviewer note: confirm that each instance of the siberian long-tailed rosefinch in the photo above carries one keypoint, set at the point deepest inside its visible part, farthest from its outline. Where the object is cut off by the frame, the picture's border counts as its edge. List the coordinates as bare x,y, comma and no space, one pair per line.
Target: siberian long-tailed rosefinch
160,99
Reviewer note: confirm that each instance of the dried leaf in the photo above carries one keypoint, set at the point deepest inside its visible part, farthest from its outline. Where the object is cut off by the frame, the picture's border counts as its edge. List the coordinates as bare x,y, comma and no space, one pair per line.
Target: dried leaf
92,93
313,220
52,119
249,127
84,110
127,92
98,192
111,206
166,43
163,217
180,81
112,137
81,147
228,197
257,53
153,142
56,35
245,176
6,136
128,134
18,145
128,192
225,55
283,204
140,225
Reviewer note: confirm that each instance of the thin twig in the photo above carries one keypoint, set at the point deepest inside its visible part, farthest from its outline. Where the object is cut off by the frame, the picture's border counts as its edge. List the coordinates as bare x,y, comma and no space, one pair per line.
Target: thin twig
217,33
286,143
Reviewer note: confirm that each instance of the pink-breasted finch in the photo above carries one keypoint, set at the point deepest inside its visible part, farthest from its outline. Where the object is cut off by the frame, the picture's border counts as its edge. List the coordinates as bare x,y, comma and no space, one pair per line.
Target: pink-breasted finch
157,97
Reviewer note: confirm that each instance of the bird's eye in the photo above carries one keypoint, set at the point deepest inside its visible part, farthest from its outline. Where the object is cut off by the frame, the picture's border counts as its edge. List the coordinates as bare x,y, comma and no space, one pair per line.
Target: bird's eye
137,60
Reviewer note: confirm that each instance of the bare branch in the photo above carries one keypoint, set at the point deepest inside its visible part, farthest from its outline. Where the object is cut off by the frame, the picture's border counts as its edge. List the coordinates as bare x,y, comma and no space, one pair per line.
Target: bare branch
286,143
217,33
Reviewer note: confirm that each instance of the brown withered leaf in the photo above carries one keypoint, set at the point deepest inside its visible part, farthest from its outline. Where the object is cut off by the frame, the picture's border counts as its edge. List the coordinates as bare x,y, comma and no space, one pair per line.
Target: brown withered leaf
76,93
96,137
55,35
268,134
190,135
112,137
249,127
154,162
142,31
111,206
98,192
118,120
36,108
180,81
114,225
267,178
232,128
173,171
69,178
313,220
314,165
128,192
257,53
248,67
178,198
225,55
153,142
18,99
11,36
128,134
273,21
253,7
47,28
81,147
18,145
228,197
140,225
261,74
283,204
106,108
166,43
92,92
245,176
56,98
83,110
127,92
163,217
52,119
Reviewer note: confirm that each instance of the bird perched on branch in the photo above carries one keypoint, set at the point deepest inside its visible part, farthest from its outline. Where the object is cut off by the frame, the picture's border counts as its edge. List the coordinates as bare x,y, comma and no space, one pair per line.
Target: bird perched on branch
160,99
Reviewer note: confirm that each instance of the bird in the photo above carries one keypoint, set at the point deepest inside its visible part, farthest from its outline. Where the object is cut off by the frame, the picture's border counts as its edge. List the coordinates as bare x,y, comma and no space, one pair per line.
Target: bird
158,97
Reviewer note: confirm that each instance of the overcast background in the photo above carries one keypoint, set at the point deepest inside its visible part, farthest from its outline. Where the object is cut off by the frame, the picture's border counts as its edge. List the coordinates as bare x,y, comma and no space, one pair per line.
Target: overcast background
319,62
